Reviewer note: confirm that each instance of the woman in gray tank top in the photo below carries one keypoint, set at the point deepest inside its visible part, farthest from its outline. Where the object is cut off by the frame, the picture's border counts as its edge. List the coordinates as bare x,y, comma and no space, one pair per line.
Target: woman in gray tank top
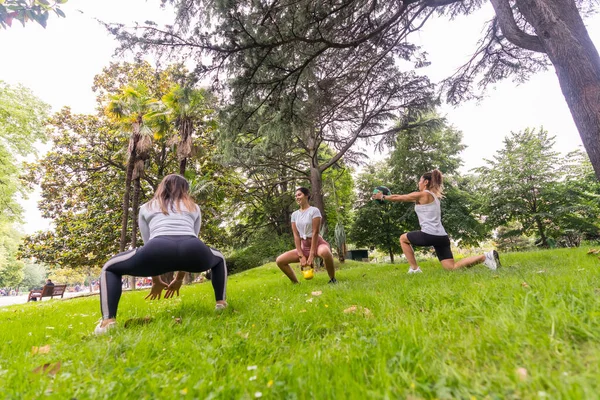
432,233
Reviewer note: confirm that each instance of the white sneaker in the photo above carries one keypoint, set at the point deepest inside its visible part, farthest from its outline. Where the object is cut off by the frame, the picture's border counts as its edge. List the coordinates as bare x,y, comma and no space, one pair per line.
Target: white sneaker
415,271
220,306
492,260
101,330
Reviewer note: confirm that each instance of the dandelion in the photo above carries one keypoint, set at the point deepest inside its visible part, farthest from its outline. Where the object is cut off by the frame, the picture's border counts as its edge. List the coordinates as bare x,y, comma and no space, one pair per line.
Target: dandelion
270,383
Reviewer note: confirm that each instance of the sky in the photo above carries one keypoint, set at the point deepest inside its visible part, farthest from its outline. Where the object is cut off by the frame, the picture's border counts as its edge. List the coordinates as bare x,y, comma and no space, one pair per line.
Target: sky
58,64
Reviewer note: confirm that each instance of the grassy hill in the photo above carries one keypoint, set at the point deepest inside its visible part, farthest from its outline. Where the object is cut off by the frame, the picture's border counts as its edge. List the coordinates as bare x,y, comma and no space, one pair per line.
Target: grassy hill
530,330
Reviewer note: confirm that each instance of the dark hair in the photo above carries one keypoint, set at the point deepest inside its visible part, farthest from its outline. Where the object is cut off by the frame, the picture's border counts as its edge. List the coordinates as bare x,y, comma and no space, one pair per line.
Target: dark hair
436,184
304,191
172,191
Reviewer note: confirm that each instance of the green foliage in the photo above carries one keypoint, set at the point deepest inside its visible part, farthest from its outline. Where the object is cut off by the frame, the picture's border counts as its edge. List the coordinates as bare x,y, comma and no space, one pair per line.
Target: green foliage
379,225
34,275
22,118
27,10
525,185
263,247
443,335
11,269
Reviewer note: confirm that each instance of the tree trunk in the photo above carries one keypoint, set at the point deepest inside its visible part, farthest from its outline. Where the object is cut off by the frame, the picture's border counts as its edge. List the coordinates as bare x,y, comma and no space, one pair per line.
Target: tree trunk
182,166
125,216
541,231
563,36
135,210
134,220
316,185
391,255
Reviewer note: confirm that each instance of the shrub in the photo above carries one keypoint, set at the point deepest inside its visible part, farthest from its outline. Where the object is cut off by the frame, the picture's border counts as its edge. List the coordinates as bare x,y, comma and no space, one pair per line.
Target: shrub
262,249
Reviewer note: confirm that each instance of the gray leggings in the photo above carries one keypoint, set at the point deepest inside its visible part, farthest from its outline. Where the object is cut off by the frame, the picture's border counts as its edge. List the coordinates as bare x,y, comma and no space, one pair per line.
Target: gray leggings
160,255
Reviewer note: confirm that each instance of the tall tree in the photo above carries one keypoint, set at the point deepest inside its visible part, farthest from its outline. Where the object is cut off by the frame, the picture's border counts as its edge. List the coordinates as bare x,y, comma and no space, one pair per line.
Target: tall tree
22,119
133,110
521,184
283,40
189,110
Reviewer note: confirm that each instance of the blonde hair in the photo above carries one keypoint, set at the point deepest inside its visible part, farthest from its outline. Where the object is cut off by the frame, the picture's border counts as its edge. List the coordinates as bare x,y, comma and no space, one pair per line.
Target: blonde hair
436,184
171,192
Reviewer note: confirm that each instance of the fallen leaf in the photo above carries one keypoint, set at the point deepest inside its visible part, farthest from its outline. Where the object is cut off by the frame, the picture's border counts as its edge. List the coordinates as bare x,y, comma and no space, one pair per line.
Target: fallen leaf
317,293
521,373
309,300
302,311
40,350
350,309
524,284
177,320
593,251
137,322
242,335
48,368
367,312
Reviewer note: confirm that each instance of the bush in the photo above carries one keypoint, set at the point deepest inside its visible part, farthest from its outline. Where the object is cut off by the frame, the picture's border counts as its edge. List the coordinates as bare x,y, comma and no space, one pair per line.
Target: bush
262,250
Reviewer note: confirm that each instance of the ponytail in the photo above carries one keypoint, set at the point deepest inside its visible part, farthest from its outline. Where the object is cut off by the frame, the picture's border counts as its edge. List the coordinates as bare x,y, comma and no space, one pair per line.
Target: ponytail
436,184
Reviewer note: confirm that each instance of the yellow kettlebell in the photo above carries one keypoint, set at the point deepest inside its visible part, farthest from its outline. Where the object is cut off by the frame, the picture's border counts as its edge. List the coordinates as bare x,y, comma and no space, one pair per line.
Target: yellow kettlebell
308,272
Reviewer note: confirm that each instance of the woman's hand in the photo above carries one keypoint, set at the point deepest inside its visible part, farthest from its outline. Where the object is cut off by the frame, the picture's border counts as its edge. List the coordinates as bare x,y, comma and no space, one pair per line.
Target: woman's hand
157,287
302,261
173,288
377,196
310,260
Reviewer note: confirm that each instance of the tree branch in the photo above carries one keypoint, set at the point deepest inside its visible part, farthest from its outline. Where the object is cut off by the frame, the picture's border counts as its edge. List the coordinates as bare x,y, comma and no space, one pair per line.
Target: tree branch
511,30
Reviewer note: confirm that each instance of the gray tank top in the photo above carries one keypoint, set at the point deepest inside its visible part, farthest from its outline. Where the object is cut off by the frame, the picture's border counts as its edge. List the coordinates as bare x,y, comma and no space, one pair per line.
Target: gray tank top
430,216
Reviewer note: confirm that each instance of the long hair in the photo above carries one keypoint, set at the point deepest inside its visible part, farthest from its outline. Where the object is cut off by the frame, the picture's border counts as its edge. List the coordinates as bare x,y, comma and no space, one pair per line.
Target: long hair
171,193
436,184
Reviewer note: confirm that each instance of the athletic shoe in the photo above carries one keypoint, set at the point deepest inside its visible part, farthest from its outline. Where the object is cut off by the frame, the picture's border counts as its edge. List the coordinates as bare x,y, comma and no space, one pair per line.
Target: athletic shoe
333,281
492,260
415,271
101,330
220,306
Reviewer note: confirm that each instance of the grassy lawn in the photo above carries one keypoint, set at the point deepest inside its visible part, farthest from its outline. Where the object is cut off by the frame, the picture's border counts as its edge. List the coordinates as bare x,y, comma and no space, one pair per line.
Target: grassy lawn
530,330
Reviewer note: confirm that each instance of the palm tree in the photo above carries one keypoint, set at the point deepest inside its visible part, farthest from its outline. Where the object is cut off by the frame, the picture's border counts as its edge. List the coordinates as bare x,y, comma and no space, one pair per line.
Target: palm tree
134,110
188,109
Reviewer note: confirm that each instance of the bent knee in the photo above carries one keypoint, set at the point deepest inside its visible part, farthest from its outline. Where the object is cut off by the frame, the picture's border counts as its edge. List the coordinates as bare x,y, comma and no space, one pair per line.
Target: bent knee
404,238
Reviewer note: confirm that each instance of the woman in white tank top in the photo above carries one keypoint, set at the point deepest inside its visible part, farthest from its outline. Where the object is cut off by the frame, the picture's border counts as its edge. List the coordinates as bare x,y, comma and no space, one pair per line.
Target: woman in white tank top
432,233
306,223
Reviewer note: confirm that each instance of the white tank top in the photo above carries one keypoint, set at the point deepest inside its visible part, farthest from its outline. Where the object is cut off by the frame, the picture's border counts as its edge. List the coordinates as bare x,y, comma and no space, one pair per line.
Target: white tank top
430,217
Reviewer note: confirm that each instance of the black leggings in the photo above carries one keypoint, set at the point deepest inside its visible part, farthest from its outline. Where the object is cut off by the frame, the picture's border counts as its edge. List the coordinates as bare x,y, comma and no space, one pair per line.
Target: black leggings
160,255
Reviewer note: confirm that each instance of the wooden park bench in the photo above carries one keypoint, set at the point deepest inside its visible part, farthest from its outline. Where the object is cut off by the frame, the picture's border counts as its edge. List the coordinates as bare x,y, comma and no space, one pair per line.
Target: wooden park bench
47,291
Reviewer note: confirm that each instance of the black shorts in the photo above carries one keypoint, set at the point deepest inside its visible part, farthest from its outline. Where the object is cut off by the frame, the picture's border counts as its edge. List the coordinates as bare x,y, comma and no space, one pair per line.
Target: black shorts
441,244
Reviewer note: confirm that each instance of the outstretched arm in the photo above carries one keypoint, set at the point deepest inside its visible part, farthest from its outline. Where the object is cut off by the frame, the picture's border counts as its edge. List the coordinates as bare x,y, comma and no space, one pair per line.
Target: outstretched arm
413,197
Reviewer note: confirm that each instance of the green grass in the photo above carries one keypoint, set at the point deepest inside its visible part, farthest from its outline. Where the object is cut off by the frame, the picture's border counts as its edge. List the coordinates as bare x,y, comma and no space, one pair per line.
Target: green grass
433,335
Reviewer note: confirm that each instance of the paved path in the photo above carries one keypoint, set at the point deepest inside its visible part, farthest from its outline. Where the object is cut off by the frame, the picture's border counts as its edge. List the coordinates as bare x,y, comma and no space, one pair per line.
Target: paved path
22,298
